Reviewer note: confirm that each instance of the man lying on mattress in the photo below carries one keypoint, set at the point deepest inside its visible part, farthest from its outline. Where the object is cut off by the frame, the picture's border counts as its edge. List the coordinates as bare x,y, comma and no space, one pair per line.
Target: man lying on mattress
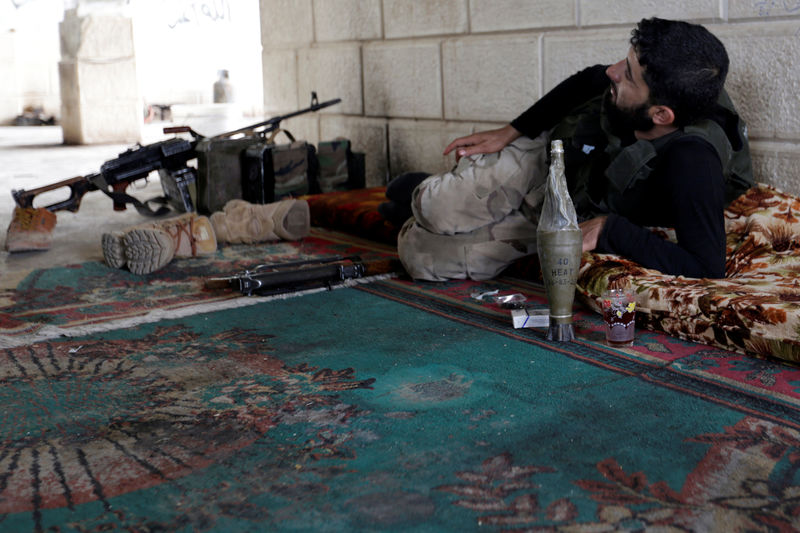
653,140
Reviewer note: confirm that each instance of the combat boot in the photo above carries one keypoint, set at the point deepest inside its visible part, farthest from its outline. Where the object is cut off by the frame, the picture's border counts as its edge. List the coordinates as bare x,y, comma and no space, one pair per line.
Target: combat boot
31,228
246,223
147,247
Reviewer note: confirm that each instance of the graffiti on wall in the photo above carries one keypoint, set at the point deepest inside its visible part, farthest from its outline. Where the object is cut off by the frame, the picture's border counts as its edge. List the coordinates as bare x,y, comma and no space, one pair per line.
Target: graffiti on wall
192,12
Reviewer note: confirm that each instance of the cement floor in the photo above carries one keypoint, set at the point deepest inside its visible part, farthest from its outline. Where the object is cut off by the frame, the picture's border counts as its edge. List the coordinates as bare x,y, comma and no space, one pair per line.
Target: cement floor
34,156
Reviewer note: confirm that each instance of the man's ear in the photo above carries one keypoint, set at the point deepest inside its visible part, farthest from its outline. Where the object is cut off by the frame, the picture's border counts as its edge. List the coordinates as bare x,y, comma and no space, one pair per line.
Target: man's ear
662,115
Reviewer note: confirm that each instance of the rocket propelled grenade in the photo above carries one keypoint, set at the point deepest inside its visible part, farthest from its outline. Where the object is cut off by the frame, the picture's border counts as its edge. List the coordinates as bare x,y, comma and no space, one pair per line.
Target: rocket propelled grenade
559,243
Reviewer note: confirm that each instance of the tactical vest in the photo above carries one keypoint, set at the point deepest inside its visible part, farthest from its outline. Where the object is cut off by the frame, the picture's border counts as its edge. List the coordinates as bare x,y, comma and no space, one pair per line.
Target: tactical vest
592,151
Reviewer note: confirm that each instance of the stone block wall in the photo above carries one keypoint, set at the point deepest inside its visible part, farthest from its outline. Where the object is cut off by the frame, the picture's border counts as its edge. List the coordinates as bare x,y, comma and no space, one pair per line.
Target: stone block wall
414,74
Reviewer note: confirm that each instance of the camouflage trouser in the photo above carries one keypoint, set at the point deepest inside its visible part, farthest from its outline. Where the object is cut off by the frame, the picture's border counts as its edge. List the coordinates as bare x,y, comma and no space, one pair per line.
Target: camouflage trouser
475,220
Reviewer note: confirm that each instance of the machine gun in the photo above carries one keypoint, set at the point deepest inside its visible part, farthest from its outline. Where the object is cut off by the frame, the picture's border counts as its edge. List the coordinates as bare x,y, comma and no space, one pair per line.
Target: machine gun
169,158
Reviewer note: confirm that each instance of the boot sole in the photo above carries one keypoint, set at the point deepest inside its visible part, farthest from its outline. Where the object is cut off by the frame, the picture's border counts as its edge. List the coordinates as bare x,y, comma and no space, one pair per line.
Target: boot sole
113,249
147,250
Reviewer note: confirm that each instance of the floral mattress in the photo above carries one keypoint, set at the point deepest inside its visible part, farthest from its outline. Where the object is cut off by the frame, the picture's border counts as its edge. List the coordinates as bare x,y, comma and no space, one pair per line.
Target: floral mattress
754,309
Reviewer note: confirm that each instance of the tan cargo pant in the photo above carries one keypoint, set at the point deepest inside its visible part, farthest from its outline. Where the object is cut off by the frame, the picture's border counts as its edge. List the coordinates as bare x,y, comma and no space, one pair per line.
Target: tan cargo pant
475,220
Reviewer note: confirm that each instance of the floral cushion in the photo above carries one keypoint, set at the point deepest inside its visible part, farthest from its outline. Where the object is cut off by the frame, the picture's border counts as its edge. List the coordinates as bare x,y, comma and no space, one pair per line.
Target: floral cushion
754,309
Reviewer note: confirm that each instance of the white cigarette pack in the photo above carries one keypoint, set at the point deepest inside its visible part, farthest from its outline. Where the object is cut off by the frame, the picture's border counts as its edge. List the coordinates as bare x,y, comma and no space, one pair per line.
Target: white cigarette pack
530,318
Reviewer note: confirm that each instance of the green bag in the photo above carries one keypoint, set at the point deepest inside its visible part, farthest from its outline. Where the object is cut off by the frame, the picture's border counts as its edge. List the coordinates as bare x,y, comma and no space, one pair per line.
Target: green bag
219,171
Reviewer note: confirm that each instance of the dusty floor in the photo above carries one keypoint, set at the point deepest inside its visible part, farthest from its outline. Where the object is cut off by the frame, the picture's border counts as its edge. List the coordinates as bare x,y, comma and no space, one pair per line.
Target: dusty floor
34,156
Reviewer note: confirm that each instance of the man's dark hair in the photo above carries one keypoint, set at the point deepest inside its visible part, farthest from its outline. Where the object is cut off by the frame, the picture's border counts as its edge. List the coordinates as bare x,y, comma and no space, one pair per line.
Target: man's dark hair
684,66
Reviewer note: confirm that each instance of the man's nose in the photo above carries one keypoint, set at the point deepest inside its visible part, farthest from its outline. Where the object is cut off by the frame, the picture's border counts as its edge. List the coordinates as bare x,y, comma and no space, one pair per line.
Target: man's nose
614,72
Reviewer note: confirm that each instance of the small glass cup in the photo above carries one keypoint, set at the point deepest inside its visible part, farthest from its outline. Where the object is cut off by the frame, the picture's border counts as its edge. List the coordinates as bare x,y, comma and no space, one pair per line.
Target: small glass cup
619,315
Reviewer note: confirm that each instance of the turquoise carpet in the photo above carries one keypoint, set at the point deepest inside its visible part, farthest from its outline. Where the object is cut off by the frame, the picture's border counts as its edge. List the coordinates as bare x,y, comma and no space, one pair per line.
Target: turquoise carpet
383,409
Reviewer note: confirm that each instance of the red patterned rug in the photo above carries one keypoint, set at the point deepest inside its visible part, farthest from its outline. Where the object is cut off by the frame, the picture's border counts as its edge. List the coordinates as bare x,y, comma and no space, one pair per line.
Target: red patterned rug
153,403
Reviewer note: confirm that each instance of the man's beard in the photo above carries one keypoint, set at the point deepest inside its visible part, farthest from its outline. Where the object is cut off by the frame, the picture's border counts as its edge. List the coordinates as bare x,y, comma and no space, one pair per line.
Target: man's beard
631,119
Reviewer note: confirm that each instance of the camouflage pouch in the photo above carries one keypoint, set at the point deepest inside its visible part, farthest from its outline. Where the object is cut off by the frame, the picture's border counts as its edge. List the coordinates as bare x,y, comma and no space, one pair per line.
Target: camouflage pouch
271,172
294,170
340,168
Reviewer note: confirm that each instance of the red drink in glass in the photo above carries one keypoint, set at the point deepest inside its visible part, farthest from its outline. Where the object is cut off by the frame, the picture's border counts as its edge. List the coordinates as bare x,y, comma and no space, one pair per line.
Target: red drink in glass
619,315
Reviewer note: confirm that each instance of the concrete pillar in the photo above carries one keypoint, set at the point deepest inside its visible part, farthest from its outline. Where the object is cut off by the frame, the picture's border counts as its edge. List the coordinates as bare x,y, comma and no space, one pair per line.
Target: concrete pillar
100,100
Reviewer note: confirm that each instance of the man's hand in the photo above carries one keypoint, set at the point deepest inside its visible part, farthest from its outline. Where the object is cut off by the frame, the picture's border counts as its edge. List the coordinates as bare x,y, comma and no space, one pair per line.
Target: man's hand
483,142
591,232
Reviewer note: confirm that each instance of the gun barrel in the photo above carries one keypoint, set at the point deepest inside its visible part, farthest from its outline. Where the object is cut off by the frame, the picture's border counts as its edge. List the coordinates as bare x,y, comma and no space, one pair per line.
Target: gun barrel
274,122
313,107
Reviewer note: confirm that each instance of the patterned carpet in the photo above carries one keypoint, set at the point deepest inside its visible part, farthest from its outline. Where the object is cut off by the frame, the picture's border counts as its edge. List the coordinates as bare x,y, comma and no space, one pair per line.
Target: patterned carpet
390,406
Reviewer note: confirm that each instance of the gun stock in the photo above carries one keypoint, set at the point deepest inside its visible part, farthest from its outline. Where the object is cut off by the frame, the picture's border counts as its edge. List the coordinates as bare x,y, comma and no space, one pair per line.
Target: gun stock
78,186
